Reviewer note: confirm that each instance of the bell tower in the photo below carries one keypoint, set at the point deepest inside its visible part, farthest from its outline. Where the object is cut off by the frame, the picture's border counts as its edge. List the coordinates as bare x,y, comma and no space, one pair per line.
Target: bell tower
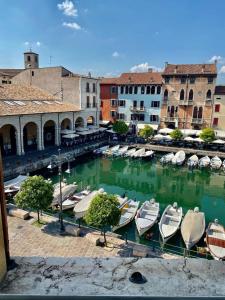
31,60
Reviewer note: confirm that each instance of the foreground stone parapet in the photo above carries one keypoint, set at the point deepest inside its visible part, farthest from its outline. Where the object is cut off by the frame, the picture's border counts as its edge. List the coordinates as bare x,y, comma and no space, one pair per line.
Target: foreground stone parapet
110,276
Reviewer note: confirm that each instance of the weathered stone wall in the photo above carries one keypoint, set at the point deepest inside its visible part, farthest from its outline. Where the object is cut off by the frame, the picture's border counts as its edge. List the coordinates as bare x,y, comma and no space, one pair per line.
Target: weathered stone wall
2,251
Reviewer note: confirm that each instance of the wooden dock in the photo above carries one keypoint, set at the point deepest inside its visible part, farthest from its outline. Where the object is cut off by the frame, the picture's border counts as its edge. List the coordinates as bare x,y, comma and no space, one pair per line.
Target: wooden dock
198,152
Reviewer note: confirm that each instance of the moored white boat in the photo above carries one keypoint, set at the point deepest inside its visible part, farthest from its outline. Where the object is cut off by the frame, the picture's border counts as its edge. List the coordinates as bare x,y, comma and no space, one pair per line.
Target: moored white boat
112,150
215,163
170,221
178,158
215,240
147,155
130,152
71,201
223,165
138,153
167,158
121,151
101,150
13,185
147,216
192,161
128,212
193,227
204,162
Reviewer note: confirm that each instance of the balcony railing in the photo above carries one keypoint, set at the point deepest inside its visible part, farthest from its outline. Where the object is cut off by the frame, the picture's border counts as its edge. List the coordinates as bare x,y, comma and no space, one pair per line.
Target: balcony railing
137,109
185,102
170,119
197,121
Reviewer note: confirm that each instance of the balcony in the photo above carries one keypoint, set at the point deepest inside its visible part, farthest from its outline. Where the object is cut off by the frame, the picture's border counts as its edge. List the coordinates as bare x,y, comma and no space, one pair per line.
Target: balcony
137,109
170,119
208,102
186,102
197,121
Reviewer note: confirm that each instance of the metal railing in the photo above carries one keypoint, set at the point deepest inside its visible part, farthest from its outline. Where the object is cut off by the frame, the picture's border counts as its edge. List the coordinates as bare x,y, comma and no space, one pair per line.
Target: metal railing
137,109
197,121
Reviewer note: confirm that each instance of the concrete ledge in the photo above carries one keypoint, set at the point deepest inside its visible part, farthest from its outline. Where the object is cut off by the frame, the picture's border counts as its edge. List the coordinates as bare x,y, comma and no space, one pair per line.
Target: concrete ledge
110,276
14,211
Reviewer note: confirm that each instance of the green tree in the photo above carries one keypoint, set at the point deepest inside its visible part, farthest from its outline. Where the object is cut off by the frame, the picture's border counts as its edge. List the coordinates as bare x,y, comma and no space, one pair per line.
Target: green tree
103,212
176,134
120,127
35,193
208,135
146,132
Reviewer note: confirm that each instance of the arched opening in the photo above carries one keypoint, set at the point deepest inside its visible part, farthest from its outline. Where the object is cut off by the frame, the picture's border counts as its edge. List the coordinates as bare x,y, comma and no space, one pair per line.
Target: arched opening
172,110
182,94
195,112
49,133
191,95
152,89
200,112
66,124
148,89
30,136
208,95
171,126
158,89
166,95
90,121
8,140
79,122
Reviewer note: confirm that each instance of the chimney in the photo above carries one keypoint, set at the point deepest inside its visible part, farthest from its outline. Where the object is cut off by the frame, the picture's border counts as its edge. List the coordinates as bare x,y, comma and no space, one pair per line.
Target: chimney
150,70
175,69
166,64
203,68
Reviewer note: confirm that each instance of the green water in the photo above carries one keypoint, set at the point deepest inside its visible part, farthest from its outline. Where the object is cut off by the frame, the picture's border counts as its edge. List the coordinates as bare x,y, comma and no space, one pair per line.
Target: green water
144,180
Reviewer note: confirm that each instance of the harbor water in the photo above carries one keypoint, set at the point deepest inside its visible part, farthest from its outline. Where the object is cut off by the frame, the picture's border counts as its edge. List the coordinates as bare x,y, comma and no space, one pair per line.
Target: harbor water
143,180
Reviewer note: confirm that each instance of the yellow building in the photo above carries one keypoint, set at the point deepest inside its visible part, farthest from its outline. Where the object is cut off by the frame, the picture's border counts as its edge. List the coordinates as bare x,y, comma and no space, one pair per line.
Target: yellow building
218,120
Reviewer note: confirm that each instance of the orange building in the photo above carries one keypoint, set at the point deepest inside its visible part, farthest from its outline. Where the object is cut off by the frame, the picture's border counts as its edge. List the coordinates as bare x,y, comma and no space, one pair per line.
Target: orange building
109,97
188,95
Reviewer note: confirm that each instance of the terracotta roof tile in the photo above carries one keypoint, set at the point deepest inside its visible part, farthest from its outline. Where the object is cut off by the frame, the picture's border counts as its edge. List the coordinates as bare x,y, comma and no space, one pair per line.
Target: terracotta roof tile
190,69
109,80
135,78
220,90
10,72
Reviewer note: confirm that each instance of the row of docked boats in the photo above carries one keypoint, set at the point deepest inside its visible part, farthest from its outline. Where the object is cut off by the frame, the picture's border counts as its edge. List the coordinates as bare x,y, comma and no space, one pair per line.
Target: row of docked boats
124,151
193,161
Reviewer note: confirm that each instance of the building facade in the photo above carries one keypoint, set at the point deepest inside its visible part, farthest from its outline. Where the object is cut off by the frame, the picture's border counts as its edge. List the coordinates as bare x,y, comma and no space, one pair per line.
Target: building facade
188,95
218,119
33,119
82,91
134,98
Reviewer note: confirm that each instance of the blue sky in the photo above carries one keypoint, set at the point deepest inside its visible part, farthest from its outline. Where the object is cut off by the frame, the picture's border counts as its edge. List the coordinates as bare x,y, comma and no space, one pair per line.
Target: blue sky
108,37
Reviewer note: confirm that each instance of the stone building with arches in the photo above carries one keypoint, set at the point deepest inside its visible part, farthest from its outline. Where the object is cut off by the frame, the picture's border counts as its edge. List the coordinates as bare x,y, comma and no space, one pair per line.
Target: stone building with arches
187,94
33,119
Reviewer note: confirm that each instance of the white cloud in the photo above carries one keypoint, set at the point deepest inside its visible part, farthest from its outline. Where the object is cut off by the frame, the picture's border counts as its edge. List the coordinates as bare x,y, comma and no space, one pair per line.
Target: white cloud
222,70
26,43
38,44
73,25
144,68
68,8
115,54
218,58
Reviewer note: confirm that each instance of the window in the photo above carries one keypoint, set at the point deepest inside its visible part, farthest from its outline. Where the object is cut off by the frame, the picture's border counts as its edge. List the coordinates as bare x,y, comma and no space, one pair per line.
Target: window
32,73
113,103
200,113
142,105
94,88
28,58
215,121
155,104
100,116
167,79
148,89
158,90
101,103
94,101
166,95
182,94
152,89
137,117
217,108
183,80
208,95
126,89
113,89
87,87
192,80
210,79
191,95
122,89
121,116
134,103
154,118
130,89
135,89
88,102
195,112
142,89
113,113
36,59
122,103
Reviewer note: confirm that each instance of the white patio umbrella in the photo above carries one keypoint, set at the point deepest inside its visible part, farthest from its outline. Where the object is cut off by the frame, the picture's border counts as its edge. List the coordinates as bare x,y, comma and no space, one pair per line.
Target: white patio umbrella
70,136
198,140
188,139
168,138
189,132
221,142
158,137
198,132
165,130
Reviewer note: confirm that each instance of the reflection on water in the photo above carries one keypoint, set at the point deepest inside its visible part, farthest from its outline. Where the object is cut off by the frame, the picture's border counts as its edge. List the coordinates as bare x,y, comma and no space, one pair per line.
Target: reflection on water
144,180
